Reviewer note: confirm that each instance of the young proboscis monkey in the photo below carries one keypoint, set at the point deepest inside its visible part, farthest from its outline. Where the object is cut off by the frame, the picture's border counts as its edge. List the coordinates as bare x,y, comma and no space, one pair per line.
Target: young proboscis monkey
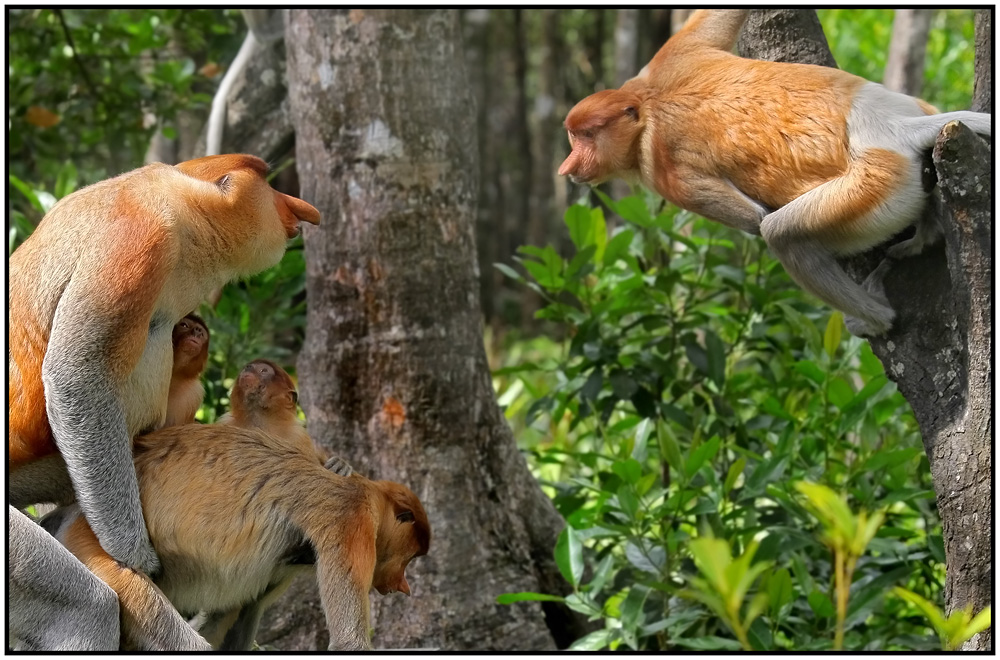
264,397
231,510
190,339
818,161
94,294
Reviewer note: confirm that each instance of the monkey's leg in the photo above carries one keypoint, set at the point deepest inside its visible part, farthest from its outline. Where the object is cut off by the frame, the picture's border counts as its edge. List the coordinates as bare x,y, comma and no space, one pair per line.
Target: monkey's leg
54,603
878,196
148,621
243,631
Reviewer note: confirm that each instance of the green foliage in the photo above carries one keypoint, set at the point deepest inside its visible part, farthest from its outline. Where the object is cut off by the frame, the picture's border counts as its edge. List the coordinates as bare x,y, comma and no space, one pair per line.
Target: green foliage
859,40
955,630
90,85
695,388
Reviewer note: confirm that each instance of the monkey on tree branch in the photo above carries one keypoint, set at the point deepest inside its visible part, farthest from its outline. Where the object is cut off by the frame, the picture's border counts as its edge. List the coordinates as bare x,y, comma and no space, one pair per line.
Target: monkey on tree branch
819,162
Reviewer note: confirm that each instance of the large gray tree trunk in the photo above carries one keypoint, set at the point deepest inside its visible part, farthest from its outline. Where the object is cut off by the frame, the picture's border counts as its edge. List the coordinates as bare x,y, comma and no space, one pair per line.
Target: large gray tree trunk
939,352
393,373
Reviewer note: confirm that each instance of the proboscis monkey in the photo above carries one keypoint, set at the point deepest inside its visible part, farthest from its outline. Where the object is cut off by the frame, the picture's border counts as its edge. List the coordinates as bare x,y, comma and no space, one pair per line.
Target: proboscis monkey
818,161
231,510
264,398
190,338
94,295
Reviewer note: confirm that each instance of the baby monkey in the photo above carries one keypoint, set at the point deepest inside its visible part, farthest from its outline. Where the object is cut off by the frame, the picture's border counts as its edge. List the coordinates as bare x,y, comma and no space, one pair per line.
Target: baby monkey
264,398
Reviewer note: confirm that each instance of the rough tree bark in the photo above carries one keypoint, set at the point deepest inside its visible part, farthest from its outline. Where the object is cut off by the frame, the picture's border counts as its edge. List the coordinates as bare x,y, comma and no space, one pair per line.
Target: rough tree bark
393,373
904,70
939,351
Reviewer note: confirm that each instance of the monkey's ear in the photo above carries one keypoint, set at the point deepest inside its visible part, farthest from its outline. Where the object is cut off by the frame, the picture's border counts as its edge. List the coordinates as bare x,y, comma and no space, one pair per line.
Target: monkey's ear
632,112
405,517
294,396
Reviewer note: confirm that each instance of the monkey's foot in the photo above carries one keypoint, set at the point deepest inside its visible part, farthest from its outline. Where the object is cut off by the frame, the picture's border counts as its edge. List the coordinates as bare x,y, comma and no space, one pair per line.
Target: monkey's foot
874,284
862,328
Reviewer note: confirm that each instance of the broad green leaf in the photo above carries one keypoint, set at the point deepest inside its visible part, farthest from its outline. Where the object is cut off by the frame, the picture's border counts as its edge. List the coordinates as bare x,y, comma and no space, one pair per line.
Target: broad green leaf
595,641
890,459
669,450
27,191
641,439
629,470
735,470
712,556
507,599
810,370
618,246
831,338
578,220
627,500
632,607
569,555
821,604
929,610
779,590
702,453
840,392
599,233
716,358
651,560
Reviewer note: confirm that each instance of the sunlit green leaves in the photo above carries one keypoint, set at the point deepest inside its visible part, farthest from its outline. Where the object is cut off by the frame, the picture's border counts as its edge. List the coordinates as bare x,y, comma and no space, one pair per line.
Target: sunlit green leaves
955,630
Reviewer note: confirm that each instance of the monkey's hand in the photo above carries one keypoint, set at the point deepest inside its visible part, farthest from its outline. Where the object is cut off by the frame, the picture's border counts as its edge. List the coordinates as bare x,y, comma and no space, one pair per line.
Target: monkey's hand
338,465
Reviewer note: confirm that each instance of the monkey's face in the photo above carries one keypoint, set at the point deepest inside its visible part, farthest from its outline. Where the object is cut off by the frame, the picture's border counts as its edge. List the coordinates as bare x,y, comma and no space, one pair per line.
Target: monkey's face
190,339
255,218
603,130
264,386
404,533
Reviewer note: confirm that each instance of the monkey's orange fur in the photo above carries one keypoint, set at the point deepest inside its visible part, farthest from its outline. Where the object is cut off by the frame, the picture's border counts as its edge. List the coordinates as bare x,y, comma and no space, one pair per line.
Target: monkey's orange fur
223,506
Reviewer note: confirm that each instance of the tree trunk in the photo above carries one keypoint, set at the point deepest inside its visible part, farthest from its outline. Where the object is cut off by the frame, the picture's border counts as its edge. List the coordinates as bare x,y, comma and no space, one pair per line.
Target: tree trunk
939,350
393,373
904,71
547,126
626,66
479,25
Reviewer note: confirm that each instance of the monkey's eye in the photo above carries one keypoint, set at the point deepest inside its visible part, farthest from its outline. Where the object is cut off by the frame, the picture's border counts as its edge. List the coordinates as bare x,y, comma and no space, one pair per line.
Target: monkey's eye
632,112
406,516
589,134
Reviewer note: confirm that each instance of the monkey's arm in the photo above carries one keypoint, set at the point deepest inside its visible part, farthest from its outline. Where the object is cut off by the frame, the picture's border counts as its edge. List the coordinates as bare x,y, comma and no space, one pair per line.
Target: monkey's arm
99,333
715,198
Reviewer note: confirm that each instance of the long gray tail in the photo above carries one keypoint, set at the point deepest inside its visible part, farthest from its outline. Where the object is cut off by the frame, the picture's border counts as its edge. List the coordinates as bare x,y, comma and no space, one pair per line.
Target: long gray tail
927,127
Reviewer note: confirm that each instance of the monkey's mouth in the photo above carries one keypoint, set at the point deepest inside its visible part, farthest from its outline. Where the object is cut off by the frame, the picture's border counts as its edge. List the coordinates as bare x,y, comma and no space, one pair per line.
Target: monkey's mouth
580,181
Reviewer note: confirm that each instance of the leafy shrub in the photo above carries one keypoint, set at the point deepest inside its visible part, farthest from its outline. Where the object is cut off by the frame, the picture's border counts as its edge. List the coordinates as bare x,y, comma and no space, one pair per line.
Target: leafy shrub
697,388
